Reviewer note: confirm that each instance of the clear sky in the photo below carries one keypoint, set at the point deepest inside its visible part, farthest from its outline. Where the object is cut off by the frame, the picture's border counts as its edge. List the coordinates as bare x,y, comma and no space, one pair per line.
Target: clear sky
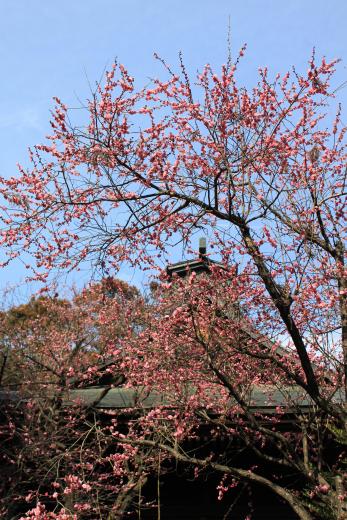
53,48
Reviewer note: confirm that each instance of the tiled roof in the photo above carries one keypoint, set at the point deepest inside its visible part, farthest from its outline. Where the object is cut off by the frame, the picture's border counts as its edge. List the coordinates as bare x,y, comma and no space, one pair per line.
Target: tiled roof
200,264
264,399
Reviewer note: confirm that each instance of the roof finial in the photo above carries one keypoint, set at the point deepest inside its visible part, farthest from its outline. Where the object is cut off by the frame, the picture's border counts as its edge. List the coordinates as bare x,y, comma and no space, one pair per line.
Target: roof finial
202,246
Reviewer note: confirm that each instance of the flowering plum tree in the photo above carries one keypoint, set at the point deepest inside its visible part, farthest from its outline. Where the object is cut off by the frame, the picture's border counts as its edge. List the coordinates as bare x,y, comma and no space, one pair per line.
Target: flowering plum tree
52,454
261,171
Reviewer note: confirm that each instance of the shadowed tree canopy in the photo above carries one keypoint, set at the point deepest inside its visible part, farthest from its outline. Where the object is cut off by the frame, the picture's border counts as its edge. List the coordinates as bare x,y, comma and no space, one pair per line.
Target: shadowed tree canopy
79,327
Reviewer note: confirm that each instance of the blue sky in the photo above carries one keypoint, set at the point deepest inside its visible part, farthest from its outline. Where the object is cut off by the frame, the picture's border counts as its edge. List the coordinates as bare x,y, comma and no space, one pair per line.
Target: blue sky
54,48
